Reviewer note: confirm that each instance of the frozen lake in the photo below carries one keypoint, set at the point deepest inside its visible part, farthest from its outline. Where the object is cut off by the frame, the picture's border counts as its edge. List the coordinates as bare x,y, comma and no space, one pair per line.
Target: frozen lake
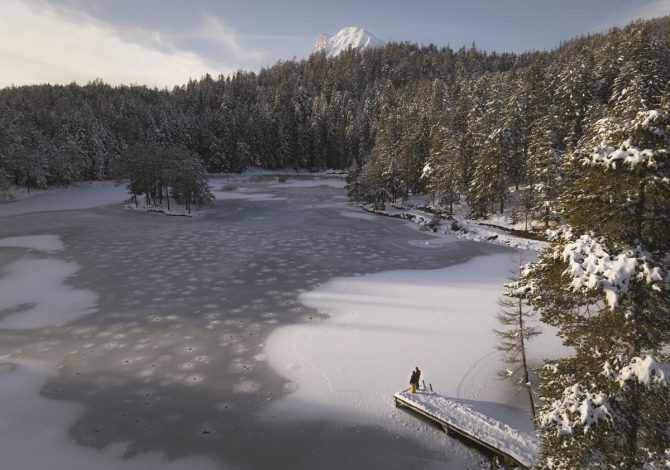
151,337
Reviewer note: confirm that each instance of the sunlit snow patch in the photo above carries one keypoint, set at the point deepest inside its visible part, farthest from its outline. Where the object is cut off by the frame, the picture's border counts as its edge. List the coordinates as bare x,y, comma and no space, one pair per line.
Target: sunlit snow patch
383,325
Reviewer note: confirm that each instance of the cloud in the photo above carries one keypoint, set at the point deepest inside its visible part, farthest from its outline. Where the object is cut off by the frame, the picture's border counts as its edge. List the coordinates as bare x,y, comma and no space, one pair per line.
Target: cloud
45,45
215,31
653,10
623,16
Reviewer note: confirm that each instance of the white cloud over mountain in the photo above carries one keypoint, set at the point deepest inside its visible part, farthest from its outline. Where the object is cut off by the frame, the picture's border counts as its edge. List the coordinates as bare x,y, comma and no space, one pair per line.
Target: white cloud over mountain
40,44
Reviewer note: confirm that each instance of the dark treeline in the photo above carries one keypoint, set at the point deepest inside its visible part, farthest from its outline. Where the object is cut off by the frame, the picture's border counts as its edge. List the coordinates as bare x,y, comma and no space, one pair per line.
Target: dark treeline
481,121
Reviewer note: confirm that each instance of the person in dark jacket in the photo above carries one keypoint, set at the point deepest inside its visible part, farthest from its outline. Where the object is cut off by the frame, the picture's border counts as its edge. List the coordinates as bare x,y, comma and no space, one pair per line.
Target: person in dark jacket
413,382
417,372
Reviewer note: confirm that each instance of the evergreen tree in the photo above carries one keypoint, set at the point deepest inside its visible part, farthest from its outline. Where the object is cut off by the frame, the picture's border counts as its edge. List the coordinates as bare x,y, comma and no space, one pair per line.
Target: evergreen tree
441,169
604,283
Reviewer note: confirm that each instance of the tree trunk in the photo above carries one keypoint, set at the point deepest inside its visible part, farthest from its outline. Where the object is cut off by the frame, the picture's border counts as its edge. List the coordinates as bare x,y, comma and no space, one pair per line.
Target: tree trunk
526,377
546,217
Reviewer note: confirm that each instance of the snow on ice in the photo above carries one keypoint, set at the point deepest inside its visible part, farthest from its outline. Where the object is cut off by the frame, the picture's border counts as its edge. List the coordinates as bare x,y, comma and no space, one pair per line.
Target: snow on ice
46,243
33,294
382,325
82,196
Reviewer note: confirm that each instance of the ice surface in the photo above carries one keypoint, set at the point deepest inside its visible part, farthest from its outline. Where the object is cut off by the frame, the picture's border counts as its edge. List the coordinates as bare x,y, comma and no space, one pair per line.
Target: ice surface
35,436
47,243
359,215
227,195
33,293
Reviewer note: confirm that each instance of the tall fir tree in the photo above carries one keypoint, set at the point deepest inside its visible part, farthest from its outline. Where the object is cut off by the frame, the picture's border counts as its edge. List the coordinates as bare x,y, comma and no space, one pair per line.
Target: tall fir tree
604,283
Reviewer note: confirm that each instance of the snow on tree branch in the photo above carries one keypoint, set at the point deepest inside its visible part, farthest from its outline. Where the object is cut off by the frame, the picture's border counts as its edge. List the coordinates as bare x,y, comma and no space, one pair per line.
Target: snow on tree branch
577,408
592,267
647,371
627,152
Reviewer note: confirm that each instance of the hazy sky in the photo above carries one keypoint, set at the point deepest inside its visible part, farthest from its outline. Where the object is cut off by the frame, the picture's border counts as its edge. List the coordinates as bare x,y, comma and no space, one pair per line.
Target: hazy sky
164,42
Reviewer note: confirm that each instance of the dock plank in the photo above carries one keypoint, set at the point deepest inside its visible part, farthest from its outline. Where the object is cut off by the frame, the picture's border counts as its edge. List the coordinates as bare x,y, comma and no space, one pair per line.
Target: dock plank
455,417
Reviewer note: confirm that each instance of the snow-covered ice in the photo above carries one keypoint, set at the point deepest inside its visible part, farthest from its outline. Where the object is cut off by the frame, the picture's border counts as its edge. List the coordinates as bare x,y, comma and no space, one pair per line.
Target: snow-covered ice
33,294
46,243
82,196
382,325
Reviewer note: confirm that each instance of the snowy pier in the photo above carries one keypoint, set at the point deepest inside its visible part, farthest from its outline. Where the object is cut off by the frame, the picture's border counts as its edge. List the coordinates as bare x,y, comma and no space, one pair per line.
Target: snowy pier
514,447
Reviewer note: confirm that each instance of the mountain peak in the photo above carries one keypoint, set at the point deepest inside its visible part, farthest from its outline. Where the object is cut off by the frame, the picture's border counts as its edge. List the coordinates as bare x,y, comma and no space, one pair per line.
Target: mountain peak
351,36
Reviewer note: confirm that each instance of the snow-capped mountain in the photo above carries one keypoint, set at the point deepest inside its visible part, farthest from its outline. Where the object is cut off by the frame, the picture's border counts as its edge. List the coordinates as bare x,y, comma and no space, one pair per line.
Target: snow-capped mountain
352,36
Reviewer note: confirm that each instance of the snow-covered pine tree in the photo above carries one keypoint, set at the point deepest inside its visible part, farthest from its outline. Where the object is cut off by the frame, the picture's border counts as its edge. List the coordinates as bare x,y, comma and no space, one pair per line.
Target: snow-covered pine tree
189,185
441,169
386,155
604,283
545,153
489,184
440,173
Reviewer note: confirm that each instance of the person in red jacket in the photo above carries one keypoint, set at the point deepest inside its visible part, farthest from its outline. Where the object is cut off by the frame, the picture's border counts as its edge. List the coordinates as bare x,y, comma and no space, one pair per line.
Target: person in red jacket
417,373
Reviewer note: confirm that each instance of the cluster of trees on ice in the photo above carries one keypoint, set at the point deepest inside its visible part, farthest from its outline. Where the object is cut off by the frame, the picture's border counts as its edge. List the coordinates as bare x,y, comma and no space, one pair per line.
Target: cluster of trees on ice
159,173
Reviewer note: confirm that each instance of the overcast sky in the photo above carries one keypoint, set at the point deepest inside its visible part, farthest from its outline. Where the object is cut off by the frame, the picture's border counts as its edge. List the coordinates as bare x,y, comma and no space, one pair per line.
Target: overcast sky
164,42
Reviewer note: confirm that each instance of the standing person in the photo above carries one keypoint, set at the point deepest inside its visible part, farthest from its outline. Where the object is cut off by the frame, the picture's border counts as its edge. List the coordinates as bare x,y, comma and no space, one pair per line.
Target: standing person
413,382
417,373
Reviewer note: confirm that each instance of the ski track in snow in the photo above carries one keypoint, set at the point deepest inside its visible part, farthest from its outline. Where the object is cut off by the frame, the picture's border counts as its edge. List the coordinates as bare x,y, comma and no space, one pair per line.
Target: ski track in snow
472,385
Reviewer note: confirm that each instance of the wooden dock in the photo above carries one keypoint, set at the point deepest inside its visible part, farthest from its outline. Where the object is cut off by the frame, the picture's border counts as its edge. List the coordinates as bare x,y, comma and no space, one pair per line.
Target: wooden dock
513,448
